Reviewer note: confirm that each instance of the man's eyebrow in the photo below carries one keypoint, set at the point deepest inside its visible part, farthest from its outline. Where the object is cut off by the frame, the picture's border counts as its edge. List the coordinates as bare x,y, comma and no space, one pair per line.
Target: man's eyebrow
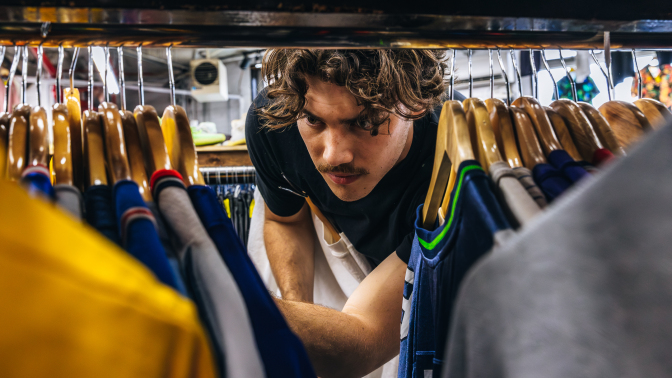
341,121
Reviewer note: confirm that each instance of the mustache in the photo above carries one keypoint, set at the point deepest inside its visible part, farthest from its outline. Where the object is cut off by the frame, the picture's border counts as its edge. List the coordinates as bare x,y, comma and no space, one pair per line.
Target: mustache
347,169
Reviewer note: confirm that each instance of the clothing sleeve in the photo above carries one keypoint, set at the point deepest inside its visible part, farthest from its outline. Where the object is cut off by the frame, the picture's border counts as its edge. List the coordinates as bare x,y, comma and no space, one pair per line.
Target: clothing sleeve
404,249
263,147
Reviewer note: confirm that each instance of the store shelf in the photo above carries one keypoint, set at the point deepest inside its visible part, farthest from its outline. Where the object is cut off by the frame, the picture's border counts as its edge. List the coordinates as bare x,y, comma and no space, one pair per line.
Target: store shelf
223,156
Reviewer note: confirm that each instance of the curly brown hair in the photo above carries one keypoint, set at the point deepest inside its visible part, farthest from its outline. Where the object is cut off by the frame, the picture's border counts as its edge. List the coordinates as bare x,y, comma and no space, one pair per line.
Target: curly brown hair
383,81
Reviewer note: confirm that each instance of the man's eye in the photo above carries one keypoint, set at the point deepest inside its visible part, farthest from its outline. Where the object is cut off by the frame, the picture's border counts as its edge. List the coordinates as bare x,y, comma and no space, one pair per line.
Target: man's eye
312,120
364,125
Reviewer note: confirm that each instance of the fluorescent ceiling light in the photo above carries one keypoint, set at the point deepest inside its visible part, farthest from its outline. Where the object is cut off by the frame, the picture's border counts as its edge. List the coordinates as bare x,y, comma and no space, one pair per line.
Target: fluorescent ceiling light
99,61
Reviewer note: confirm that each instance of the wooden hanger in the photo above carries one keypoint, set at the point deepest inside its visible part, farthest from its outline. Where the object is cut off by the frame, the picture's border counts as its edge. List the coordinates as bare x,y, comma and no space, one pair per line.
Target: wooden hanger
500,119
17,141
94,140
529,146
602,128
94,149
38,135
656,113
482,137
151,138
453,146
136,159
180,145
177,135
335,236
5,115
17,138
149,129
626,120
73,104
62,161
63,173
542,124
563,134
585,139
115,147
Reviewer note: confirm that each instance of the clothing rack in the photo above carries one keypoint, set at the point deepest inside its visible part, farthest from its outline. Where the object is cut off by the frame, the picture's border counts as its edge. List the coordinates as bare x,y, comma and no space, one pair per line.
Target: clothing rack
229,175
352,24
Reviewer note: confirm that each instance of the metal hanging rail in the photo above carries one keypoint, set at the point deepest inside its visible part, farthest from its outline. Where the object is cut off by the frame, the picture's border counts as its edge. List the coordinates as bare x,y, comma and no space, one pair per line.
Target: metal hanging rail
73,26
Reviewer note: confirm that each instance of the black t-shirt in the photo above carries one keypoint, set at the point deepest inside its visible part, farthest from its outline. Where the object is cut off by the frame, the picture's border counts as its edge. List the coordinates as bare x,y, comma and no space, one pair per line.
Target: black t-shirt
378,224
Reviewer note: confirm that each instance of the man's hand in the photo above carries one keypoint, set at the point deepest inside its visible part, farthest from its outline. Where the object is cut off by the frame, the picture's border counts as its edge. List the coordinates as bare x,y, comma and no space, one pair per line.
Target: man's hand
362,337
289,246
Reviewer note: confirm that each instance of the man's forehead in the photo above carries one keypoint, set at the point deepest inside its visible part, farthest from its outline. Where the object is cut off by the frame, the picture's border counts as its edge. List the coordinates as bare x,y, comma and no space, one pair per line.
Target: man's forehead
321,95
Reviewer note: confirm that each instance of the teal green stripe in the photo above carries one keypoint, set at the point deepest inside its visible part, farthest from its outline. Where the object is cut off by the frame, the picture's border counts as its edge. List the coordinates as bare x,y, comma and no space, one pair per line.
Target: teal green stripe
443,233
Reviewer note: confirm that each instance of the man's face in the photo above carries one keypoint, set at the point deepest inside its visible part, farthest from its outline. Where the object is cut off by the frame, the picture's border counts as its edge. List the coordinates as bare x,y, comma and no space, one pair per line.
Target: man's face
348,157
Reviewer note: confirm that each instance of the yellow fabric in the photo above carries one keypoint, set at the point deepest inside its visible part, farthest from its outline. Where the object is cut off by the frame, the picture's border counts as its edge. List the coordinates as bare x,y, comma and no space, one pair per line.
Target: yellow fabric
251,208
74,305
227,206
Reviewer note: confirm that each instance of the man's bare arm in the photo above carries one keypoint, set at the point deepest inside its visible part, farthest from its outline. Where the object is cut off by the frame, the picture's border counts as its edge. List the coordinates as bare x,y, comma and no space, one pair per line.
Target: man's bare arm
362,337
289,246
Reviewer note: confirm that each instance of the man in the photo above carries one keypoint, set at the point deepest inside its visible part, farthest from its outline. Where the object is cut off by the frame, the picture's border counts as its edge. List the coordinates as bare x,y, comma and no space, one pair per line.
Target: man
354,131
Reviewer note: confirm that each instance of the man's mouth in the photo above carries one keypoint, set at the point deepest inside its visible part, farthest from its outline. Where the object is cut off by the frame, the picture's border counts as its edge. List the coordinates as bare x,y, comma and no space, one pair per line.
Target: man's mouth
343,178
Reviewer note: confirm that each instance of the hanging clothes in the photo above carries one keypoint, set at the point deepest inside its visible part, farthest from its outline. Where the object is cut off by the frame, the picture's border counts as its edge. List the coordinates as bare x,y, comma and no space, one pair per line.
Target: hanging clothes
525,64
100,213
238,202
585,291
518,200
37,181
551,181
138,232
656,84
213,288
622,66
524,175
586,90
282,353
439,260
572,170
75,305
70,200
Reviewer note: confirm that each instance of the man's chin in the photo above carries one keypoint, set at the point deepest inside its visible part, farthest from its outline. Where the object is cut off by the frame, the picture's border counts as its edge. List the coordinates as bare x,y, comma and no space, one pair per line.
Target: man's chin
349,194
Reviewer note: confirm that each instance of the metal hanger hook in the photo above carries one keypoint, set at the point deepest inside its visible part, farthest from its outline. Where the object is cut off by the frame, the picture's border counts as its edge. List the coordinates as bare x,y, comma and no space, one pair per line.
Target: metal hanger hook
471,78
24,74
535,76
73,64
452,76
606,76
492,75
122,80
515,68
12,72
90,50
38,75
141,87
107,63
548,69
639,74
506,77
569,76
171,76
59,70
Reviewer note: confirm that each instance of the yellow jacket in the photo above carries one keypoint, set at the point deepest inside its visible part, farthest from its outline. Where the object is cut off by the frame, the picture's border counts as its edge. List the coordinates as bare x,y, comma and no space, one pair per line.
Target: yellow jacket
72,304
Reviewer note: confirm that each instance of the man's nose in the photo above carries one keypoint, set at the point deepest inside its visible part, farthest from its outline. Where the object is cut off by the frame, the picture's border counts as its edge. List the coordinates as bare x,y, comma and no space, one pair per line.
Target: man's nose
337,147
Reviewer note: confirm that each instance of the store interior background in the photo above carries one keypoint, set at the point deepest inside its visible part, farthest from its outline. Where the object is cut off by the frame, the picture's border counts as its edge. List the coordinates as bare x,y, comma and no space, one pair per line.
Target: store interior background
243,69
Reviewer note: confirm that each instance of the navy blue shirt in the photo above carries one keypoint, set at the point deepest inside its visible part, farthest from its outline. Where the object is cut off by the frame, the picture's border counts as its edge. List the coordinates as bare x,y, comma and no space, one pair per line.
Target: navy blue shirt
99,211
138,230
438,263
572,170
550,181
